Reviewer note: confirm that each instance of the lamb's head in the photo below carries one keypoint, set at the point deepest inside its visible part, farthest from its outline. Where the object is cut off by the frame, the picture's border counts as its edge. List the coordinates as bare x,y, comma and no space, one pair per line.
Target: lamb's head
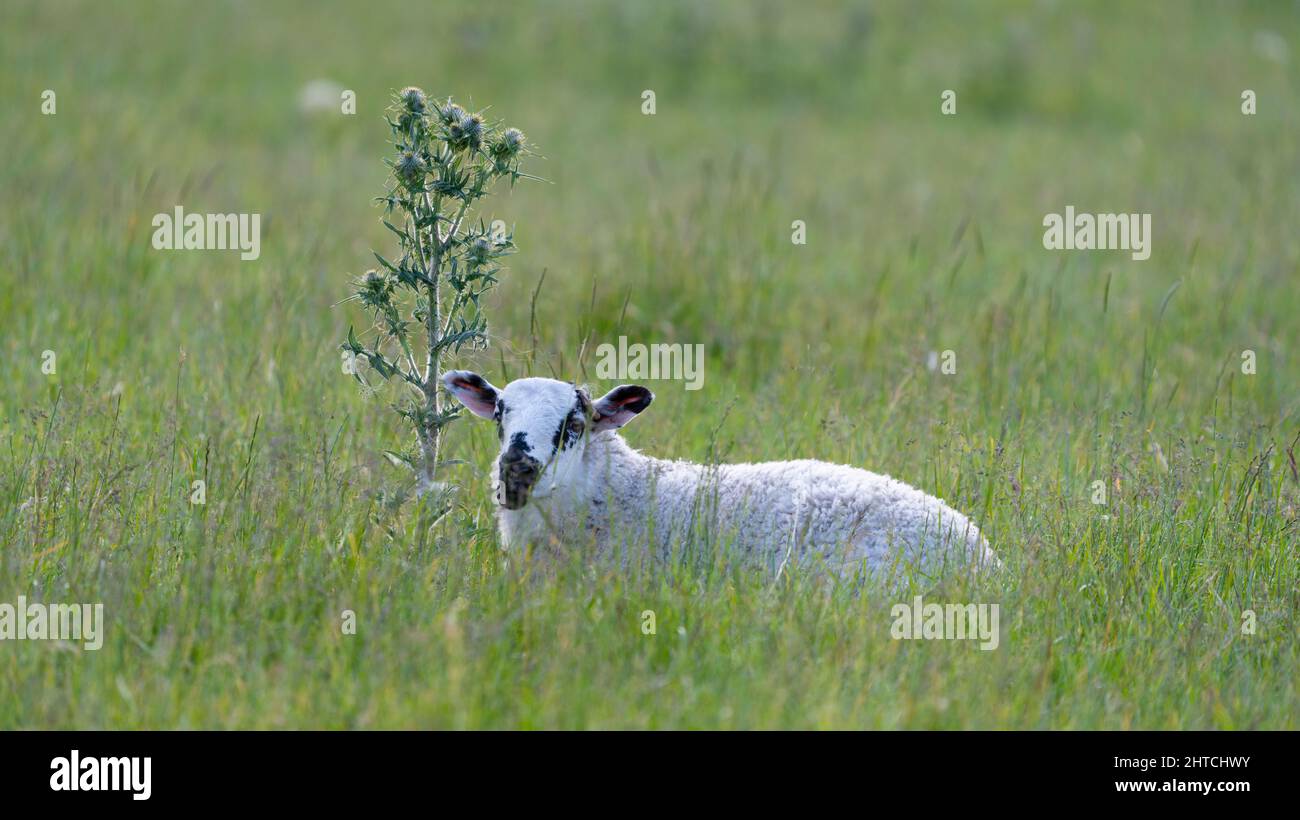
544,426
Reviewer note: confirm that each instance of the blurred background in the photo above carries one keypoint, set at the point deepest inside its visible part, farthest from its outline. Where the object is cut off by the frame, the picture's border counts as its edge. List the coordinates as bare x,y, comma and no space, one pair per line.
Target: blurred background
924,231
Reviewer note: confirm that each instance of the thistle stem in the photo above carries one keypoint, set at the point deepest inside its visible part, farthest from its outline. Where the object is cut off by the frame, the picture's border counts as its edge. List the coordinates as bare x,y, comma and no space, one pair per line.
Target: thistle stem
436,151
430,432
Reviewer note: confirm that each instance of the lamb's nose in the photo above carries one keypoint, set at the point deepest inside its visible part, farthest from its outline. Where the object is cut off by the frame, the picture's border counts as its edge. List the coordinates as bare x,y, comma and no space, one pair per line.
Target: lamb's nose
519,468
523,469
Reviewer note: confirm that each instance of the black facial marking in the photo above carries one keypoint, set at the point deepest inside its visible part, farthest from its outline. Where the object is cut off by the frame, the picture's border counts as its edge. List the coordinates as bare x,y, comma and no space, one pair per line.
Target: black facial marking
519,442
555,439
570,429
573,428
496,417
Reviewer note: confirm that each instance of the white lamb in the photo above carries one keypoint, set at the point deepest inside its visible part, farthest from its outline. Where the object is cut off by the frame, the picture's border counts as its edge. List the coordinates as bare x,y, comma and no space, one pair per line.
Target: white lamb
565,475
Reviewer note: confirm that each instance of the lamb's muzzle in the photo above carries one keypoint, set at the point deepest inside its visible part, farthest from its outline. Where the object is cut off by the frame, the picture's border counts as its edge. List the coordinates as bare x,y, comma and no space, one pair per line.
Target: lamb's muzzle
517,473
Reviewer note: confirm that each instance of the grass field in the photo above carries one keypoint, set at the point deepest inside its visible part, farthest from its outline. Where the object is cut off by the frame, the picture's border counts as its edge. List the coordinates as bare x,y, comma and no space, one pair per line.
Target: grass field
924,233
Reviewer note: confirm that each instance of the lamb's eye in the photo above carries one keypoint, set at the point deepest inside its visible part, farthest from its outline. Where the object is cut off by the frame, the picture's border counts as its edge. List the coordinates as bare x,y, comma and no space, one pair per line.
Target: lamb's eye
575,427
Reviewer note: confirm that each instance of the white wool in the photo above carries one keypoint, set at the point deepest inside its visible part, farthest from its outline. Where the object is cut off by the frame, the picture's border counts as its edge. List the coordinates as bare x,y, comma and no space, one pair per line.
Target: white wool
781,512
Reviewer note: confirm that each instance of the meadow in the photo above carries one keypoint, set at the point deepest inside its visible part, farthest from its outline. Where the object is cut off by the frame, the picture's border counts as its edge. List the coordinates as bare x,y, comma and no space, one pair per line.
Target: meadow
924,235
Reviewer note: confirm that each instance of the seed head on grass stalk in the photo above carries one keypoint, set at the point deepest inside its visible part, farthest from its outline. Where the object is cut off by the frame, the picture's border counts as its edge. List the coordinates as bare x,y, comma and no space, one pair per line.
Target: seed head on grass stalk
425,298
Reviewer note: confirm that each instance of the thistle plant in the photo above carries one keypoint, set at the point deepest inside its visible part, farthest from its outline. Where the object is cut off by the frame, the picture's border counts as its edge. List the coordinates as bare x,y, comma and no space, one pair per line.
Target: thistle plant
426,301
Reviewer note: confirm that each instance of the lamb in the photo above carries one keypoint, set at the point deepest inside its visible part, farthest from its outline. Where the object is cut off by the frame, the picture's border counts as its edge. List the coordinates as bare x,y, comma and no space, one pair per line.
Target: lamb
565,474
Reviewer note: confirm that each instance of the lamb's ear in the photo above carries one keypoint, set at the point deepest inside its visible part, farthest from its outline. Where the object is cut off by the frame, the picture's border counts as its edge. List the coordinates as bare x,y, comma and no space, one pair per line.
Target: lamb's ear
473,391
620,405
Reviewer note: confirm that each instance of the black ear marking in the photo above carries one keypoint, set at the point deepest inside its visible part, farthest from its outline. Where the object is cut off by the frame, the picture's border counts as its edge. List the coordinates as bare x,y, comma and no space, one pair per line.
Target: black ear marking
630,397
467,379
620,405
473,391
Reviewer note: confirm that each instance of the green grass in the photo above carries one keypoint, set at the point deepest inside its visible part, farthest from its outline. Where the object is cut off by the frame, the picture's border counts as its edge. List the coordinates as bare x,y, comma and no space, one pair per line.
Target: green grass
924,233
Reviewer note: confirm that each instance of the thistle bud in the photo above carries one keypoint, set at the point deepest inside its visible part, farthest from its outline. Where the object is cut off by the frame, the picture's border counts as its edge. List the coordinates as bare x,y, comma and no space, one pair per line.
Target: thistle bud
450,113
413,98
510,144
376,289
480,250
410,168
467,132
